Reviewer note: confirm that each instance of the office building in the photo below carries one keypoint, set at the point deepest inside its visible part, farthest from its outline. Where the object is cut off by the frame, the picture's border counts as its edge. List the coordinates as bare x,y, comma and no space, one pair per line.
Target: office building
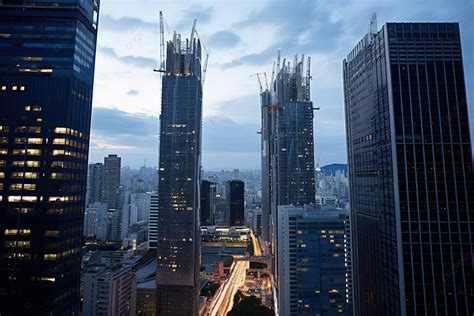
208,202
410,171
46,79
95,180
95,221
312,261
110,291
234,194
178,246
111,181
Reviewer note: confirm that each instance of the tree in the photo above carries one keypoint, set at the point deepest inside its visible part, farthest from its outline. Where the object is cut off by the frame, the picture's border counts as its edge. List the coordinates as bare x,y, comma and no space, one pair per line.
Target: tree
249,306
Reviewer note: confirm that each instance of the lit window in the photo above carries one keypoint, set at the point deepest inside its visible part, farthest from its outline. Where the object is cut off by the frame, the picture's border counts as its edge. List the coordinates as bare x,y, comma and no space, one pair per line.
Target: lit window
22,88
3,151
2,175
35,141
1,188
4,88
26,175
58,152
23,198
36,108
14,88
27,108
20,256
35,129
3,163
52,233
59,141
19,244
57,164
24,232
60,130
56,175
4,128
51,256
39,119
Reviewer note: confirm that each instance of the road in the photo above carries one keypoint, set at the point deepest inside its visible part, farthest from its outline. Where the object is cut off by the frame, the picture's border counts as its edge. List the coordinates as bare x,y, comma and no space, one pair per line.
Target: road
224,298
257,251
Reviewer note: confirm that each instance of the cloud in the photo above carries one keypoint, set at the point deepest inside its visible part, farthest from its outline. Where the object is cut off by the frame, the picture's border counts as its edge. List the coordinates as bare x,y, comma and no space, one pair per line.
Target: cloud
125,23
202,14
133,92
224,39
137,61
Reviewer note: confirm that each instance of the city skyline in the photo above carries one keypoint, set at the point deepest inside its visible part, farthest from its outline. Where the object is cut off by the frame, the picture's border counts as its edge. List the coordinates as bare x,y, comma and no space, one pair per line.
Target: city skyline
126,110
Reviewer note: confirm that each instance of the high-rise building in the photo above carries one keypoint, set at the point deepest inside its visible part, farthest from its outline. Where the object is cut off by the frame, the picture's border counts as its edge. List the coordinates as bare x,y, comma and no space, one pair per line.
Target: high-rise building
95,221
312,261
288,175
208,202
410,171
46,79
110,291
111,181
95,178
234,194
178,247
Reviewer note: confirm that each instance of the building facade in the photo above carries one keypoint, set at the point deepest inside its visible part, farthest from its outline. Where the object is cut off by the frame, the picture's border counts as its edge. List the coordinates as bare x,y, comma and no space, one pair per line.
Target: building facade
234,193
110,291
95,221
312,261
410,171
47,59
95,179
153,221
178,238
208,202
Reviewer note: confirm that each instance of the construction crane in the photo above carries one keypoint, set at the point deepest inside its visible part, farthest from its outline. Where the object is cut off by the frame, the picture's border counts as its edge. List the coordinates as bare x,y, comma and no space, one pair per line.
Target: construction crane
259,81
162,46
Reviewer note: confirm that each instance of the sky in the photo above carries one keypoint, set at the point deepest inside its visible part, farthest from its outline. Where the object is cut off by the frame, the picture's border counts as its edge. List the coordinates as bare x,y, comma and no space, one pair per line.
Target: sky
241,38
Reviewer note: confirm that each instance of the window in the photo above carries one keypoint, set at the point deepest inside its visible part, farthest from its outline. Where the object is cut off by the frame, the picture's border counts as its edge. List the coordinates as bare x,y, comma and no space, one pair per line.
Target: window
19,244
60,130
30,152
28,163
57,164
51,256
23,232
35,141
2,175
26,186
52,233
59,141
35,129
4,128
19,256
3,151
3,163
18,198
3,140
26,175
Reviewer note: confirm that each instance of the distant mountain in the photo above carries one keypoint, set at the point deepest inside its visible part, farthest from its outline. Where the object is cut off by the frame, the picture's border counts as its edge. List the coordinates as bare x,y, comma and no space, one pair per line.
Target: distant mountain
331,169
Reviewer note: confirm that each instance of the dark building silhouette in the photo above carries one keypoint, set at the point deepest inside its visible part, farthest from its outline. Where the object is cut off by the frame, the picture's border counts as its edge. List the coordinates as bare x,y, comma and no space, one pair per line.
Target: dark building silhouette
410,171
208,202
178,245
47,59
234,194
95,178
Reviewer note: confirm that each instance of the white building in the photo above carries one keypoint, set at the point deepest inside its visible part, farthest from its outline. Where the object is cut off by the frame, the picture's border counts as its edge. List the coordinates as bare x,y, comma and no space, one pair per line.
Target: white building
153,220
95,220
110,291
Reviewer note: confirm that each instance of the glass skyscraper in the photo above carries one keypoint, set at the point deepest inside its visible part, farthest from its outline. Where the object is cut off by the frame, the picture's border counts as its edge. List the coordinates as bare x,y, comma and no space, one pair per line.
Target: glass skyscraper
410,171
47,56
178,246
235,197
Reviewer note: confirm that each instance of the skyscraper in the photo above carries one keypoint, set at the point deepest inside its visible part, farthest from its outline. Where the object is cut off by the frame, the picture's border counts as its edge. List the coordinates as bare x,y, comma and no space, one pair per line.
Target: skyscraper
208,202
410,171
95,178
178,246
234,194
111,181
287,143
46,80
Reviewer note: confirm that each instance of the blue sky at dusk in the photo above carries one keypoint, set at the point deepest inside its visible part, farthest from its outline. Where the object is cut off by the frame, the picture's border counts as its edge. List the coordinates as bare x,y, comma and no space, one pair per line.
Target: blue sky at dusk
242,38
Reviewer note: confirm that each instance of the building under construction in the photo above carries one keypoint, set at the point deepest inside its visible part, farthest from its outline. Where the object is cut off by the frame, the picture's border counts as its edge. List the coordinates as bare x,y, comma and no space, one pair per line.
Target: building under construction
287,142
178,235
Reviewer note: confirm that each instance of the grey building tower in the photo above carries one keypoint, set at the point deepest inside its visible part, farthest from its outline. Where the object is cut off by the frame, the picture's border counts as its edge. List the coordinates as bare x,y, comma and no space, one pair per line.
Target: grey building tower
178,244
47,60
95,179
410,171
